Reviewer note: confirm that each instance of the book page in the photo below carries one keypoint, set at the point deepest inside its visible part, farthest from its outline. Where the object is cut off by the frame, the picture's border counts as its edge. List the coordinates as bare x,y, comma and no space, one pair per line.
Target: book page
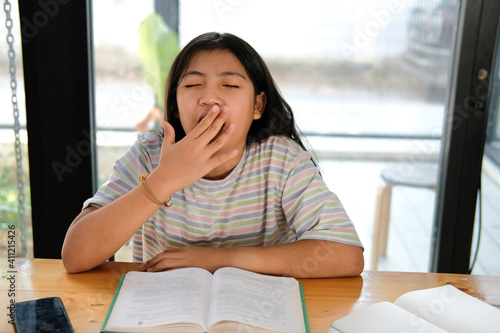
255,299
383,317
152,299
452,309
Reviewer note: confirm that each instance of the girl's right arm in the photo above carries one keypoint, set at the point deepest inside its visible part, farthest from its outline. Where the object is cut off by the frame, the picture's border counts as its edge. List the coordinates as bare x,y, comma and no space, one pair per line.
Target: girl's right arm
96,234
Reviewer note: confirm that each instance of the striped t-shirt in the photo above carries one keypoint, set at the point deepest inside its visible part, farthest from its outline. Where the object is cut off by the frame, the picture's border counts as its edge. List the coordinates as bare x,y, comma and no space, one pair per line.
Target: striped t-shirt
274,195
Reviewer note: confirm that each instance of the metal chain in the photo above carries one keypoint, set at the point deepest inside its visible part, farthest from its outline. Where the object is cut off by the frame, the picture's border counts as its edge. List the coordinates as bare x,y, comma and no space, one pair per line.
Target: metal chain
17,127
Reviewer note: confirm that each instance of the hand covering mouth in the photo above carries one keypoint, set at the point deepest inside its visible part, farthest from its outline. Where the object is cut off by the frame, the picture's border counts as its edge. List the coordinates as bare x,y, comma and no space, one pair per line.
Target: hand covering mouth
203,115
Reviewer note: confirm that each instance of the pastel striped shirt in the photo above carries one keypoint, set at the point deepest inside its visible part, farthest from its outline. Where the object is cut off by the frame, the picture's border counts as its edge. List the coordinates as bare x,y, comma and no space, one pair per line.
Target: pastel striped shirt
274,195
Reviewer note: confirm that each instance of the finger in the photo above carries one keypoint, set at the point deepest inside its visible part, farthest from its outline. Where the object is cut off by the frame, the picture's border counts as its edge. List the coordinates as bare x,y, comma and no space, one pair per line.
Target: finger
152,265
211,125
165,255
168,132
219,140
205,122
217,125
218,159
213,149
167,266
151,262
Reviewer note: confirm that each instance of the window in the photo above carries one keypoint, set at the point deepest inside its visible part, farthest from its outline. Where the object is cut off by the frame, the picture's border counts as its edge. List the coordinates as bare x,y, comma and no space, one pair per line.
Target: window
368,82
15,207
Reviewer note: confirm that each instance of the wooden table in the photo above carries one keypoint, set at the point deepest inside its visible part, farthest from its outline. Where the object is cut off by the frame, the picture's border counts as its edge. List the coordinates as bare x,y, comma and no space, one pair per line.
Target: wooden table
87,296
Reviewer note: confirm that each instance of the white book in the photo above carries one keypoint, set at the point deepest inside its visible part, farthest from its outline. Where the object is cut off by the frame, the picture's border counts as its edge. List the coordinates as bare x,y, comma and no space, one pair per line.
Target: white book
193,300
434,310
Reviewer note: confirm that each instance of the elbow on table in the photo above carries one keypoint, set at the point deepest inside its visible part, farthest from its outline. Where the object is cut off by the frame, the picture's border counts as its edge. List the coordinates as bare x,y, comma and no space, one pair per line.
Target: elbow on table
334,259
69,264
353,263
72,267
74,264
358,264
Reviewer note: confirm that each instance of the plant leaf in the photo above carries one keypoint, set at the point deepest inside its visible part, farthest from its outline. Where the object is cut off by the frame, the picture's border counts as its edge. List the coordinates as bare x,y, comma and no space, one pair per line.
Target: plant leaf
158,47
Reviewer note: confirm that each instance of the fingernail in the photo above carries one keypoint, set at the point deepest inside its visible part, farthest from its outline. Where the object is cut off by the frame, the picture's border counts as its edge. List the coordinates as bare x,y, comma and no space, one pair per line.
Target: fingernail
230,127
234,152
214,108
142,266
225,109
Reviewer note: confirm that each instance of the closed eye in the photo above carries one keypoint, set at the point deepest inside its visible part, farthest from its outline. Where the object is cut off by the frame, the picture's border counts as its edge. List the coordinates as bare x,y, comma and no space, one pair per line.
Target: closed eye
230,86
191,85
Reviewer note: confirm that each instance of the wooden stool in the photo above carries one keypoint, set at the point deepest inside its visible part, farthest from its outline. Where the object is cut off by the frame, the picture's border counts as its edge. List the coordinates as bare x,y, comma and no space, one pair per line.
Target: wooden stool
420,175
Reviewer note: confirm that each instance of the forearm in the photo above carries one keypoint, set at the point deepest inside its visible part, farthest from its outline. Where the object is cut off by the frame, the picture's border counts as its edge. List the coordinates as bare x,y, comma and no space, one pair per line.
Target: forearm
301,259
96,234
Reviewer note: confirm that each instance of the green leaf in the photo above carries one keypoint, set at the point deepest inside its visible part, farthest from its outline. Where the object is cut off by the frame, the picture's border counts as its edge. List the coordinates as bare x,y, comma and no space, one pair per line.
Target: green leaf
158,47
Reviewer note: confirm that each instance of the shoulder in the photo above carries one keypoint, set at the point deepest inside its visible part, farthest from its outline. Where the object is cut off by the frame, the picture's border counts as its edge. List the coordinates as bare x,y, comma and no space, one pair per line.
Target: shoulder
146,150
149,143
151,138
279,142
279,151
281,147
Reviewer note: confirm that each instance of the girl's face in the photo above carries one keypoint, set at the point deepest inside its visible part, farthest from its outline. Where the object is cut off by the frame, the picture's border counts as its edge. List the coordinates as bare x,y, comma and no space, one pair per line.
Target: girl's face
218,77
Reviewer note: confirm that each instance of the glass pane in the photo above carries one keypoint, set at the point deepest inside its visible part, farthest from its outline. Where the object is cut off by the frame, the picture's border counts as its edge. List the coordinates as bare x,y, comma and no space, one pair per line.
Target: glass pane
15,203
367,81
486,242
123,97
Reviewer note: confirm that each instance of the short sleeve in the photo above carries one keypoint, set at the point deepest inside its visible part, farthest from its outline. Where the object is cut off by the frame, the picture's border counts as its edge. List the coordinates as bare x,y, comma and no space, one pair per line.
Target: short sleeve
139,158
311,209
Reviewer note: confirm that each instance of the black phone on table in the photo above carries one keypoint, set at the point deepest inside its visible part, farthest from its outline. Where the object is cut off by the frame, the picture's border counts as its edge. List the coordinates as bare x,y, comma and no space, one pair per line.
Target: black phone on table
42,315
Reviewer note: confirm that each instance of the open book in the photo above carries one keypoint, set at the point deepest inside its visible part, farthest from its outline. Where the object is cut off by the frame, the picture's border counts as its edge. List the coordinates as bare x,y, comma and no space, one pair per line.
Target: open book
441,309
193,300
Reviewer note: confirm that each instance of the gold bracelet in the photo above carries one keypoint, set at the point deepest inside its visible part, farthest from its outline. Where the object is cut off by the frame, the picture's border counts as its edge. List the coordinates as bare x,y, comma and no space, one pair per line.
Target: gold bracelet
149,193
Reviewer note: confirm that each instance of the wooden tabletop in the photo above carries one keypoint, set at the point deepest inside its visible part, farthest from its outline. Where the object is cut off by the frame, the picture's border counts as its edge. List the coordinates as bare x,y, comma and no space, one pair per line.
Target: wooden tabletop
87,296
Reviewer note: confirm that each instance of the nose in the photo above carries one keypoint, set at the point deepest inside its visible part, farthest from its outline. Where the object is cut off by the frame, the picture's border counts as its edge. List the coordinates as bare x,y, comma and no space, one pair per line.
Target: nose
210,97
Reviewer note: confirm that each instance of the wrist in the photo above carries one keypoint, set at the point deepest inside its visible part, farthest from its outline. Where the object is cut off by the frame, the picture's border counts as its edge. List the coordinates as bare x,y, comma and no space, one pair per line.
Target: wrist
259,259
149,193
159,187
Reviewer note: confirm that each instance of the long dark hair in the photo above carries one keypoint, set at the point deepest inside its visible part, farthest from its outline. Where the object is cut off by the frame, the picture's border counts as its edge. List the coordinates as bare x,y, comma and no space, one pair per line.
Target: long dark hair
277,118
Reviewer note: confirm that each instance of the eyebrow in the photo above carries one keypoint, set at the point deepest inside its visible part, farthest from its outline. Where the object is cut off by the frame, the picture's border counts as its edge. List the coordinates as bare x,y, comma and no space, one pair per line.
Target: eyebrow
225,73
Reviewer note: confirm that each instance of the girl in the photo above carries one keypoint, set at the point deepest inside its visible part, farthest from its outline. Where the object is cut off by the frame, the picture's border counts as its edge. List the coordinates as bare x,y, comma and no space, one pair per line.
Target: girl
226,181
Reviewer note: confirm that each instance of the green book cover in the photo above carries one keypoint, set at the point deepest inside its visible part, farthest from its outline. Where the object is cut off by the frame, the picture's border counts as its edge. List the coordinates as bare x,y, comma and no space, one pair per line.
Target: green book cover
304,310
112,305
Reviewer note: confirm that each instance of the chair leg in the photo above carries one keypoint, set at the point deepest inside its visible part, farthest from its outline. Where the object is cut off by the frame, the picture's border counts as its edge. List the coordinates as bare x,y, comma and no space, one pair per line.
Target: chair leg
381,223
386,218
